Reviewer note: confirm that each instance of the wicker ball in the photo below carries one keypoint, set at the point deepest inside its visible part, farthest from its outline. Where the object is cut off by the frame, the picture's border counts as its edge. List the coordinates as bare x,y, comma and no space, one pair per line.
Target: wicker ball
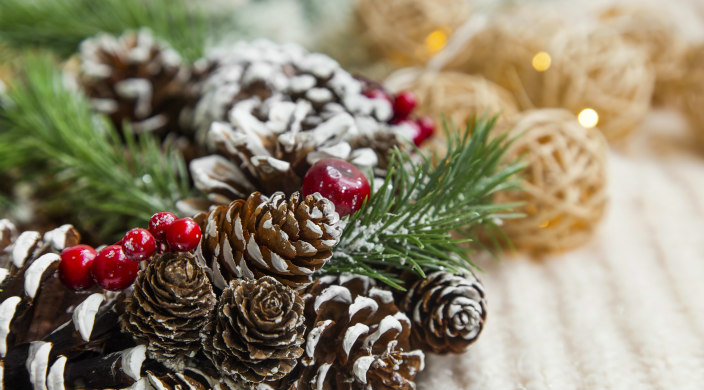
411,31
564,184
688,91
547,65
458,97
650,29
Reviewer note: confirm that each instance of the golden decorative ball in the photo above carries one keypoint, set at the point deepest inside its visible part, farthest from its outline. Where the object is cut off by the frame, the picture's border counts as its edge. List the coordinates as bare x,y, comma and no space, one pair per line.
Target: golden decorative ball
546,65
411,31
459,97
688,91
563,185
649,28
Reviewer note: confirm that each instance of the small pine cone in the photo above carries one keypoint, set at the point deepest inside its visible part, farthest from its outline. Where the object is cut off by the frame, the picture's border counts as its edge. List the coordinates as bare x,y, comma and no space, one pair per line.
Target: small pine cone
135,78
8,234
448,311
357,339
171,302
285,239
258,331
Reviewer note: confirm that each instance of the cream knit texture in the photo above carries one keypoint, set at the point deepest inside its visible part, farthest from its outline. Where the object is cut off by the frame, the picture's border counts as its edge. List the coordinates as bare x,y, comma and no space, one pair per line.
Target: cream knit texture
624,311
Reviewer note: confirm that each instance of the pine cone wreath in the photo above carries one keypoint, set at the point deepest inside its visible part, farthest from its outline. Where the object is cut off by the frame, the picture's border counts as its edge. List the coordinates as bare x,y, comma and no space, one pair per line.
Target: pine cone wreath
356,339
286,239
137,79
257,332
172,301
272,111
448,311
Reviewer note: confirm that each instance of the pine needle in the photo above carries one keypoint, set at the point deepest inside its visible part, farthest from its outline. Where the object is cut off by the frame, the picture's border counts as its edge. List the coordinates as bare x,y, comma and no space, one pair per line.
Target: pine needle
50,134
61,25
406,224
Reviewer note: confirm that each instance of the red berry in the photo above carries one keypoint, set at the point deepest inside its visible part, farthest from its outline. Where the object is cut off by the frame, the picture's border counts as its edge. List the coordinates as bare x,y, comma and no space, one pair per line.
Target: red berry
138,244
159,223
378,93
404,103
340,182
183,235
75,267
112,270
427,129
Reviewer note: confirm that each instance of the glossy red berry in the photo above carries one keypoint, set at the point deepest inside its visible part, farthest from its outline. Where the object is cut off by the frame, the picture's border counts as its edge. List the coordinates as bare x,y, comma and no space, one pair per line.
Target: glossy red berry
426,129
139,244
340,182
159,223
75,267
404,103
112,270
183,235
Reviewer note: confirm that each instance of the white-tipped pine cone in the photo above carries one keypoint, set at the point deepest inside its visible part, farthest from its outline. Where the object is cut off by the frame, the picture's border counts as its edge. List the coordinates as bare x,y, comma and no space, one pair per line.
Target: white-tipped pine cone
271,111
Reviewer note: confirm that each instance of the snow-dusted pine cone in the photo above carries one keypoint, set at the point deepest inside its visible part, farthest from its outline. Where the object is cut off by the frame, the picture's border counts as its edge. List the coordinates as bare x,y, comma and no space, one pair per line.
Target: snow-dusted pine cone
271,111
257,332
448,311
171,302
135,78
8,234
356,339
287,239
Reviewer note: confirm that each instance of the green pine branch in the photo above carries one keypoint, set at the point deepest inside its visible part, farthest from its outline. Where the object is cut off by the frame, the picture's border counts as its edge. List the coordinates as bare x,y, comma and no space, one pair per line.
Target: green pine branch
61,25
49,136
406,225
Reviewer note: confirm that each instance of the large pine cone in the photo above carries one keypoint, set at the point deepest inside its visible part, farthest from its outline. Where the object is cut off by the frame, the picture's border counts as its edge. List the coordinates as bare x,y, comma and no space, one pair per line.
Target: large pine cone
258,331
357,339
448,311
286,239
272,111
135,78
171,302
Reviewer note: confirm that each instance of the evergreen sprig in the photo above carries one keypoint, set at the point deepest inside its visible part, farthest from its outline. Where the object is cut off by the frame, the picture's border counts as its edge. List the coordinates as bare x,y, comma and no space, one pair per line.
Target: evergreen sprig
406,225
50,136
61,25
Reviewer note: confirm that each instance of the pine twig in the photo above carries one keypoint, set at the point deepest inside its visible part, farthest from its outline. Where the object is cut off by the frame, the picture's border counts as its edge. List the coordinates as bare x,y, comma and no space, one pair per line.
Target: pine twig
54,135
405,226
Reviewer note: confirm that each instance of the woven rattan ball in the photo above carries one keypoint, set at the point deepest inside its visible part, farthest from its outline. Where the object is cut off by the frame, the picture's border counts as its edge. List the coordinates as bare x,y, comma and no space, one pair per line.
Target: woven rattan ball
580,68
688,92
459,97
563,185
650,29
411,31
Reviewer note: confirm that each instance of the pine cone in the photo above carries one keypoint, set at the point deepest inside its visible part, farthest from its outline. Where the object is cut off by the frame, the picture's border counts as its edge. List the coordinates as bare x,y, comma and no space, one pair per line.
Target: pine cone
286,239
137,79
258,331
448,311
272,111
356,339
8,234
171,302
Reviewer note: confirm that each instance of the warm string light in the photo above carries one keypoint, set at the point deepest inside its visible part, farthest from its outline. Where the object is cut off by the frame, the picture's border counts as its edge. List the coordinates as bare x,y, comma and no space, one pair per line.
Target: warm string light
436,40
588,118
541,61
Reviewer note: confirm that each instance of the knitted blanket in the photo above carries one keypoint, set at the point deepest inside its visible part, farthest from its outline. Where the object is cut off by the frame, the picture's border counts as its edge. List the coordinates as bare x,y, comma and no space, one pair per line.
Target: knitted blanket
624,311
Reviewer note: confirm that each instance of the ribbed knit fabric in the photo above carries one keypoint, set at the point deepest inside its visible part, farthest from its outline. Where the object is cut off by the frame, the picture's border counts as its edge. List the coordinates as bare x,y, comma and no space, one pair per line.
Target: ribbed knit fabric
624,311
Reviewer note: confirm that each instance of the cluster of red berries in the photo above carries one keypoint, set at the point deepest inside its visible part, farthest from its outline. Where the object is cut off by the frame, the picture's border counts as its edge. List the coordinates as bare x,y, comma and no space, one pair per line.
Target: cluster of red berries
403,105
115,267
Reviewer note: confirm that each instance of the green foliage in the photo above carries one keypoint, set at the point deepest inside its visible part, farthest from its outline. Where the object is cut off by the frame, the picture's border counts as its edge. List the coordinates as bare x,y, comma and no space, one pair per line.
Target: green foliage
49,136
406,225
61,25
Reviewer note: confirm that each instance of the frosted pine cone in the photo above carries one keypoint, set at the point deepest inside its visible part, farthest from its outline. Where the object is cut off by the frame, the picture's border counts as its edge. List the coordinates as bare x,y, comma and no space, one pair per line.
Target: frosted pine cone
448,311
257,332
171,302
356,339
271,111
285,239
137,79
